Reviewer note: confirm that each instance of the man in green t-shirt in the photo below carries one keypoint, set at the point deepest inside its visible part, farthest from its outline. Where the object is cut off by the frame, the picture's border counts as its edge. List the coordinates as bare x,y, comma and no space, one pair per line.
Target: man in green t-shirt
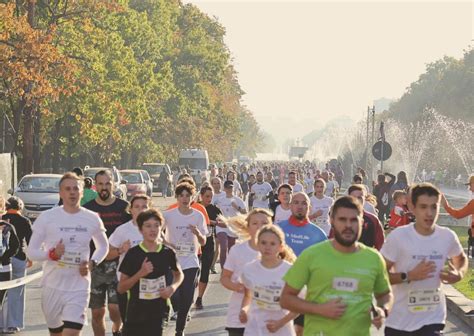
341,276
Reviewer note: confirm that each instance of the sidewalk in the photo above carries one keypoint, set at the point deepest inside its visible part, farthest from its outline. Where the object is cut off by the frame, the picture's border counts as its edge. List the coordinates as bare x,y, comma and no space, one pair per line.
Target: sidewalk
459,305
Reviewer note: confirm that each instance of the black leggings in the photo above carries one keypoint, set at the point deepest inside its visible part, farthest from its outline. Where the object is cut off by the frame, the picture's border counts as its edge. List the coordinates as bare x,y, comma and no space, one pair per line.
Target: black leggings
206,259
184,296
153,327
4,276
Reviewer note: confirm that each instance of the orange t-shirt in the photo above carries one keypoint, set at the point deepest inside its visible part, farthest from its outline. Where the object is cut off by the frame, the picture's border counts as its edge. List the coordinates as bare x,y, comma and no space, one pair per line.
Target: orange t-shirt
197,206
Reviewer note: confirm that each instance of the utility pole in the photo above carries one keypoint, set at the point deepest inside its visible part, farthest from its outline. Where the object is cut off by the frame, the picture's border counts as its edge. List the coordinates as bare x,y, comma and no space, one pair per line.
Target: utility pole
382,138
367,140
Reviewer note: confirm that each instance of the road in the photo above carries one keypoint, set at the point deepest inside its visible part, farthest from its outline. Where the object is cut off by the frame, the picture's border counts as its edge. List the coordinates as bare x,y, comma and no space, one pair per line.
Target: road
209,321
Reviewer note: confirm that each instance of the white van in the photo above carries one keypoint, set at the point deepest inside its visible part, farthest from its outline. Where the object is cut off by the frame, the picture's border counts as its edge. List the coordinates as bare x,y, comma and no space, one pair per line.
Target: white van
196,162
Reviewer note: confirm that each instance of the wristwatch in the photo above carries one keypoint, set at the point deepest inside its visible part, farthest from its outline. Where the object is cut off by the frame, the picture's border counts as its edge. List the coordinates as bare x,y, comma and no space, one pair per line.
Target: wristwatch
404,277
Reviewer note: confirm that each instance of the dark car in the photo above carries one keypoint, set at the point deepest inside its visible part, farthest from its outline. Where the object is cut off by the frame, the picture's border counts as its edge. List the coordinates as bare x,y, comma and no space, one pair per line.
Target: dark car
148,182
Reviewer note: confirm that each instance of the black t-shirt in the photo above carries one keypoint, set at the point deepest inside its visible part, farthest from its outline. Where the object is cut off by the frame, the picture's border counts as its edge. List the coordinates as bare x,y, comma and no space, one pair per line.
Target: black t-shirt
112,215
213,212
163,260
22,227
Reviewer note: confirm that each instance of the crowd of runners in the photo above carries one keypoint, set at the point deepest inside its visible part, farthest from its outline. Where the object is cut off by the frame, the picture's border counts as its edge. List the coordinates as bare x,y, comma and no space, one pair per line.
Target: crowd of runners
300,254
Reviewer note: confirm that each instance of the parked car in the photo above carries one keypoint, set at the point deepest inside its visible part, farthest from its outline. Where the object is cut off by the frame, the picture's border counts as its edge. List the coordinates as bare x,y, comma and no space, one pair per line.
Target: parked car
135,182
148,182
119,188
39,192
155,169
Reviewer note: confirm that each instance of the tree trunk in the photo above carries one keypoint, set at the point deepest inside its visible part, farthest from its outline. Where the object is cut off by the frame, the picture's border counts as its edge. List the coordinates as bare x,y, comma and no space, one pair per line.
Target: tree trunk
37,168
55,147
27,152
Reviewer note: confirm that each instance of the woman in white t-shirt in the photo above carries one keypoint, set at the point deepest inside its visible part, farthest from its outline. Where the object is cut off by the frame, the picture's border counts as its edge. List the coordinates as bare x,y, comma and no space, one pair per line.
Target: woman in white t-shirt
263,281
239,255
320,206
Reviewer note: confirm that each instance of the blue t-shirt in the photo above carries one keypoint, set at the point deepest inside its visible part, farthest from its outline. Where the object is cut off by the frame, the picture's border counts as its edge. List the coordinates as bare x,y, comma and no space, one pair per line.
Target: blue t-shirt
301,237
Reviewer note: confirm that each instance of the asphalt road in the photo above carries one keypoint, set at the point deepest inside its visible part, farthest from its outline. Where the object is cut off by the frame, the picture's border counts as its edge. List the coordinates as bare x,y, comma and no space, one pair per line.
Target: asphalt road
209,321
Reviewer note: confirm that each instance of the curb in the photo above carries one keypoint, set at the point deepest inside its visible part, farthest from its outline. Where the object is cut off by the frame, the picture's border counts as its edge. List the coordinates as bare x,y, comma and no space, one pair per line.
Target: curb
460,305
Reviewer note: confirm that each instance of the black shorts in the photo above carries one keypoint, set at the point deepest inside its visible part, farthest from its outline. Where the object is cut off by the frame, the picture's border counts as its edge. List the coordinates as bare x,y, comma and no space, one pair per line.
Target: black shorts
299,321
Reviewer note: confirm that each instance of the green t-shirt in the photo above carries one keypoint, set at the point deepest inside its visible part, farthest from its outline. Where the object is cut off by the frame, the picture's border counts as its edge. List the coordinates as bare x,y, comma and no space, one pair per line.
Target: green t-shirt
329,274
88,196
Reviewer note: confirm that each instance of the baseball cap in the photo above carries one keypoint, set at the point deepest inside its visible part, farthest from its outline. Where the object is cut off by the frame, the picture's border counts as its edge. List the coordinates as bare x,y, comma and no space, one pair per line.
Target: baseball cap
471,180
228,184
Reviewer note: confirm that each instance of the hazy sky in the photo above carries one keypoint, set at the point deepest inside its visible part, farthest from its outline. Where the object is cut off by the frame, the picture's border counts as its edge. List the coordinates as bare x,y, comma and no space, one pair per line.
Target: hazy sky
302,63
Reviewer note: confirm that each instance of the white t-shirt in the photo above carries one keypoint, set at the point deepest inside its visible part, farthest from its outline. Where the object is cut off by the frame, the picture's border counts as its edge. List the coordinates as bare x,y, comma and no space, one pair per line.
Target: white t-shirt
225,204
324,205
237,190
309,181
216,197
266,285
298,187
261,192
124,232
239,255
76,231
281,214
330,185
180,235
419,303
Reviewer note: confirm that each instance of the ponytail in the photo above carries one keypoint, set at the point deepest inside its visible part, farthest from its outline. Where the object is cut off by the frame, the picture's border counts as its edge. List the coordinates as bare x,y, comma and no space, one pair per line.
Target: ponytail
287,253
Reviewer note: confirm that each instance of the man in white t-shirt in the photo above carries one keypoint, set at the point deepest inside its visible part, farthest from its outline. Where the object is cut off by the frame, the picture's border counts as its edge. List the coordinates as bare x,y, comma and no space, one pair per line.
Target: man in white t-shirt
186,231
416,255
309,184
292,181
60,239
260,192
320,206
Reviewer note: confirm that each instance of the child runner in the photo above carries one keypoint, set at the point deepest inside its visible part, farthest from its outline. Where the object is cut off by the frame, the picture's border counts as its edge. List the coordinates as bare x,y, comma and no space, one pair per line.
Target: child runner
143,271
239,255
263,281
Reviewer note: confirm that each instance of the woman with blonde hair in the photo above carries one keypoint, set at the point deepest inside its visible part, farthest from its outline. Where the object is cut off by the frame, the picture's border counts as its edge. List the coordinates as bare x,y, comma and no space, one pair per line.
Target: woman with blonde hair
263,281
246,227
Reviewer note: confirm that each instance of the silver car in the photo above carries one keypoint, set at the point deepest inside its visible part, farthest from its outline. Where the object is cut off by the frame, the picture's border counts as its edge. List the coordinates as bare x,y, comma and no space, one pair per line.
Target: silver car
39,192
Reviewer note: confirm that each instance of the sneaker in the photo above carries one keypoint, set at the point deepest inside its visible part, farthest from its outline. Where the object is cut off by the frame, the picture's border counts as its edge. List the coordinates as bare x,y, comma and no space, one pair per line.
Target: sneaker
213,270
117,333
11,330
174,317
198,304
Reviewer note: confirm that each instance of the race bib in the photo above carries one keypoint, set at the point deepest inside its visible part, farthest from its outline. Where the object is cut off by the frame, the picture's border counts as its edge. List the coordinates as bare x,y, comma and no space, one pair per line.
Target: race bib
185,249
267,298
150,288
70,259
423,300
345,284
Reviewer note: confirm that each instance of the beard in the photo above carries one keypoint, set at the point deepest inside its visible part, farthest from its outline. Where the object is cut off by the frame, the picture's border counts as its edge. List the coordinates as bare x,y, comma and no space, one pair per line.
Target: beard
104,195
299,216
345,242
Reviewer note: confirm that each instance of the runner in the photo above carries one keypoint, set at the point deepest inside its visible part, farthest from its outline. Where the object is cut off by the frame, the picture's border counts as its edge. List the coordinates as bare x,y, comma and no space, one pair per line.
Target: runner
382,192
416,255
260,192
125,237
231,176
9,248
399,215
320,206
239,255
216,184
300,234
230,206
309,184
208,251
60,239
243,178
186,230
281,209
143,277
341,276
292,181
372,230
263,281
113,212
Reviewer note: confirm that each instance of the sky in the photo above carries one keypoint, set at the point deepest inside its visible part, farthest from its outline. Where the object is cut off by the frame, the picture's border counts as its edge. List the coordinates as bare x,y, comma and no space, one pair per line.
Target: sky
303,63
